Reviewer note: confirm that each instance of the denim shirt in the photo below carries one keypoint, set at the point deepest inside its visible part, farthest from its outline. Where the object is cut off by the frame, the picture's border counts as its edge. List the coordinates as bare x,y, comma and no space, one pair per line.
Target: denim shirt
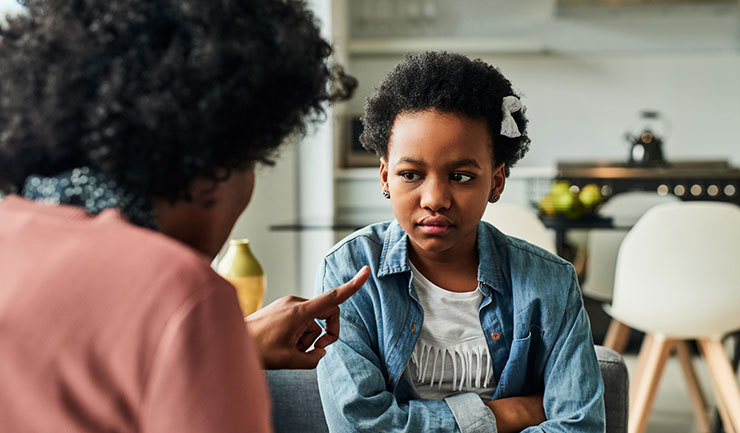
532,313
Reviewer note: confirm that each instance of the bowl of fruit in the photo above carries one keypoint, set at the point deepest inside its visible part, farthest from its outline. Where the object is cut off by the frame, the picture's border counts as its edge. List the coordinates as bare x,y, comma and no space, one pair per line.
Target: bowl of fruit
571,202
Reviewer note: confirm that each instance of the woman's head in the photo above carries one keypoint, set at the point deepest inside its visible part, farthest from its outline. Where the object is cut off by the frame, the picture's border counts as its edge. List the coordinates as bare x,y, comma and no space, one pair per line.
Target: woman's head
155,94
448,83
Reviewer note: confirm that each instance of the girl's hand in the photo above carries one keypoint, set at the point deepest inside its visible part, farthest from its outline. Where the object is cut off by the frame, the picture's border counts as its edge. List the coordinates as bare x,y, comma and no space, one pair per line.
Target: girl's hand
514,414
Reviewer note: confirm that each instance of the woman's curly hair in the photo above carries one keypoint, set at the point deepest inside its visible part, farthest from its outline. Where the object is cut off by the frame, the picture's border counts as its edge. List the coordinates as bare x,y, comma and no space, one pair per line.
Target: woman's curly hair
446,82
155,93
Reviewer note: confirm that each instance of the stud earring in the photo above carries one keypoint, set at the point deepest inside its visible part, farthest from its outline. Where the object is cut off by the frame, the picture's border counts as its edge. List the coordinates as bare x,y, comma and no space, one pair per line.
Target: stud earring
386,194
493,198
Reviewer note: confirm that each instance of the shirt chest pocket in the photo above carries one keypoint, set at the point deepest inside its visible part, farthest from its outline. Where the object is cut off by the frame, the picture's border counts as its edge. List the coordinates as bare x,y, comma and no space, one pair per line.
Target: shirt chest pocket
521,374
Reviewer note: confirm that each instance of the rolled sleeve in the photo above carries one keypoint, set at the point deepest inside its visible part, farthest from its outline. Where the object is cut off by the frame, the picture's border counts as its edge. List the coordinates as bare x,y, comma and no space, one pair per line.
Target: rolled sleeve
573,401
471,414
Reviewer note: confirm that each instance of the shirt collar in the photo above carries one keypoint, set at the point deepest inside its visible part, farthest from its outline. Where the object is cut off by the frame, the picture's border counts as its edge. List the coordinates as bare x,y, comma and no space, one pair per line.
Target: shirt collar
394,256
490,277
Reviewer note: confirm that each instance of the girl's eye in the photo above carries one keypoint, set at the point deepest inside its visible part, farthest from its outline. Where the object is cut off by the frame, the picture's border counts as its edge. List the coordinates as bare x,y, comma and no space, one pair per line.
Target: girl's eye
461,177
410,176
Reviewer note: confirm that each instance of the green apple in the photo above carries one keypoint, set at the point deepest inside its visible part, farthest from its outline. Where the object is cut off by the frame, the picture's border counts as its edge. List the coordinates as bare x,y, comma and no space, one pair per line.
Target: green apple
560,187
590,196
547,206
563,201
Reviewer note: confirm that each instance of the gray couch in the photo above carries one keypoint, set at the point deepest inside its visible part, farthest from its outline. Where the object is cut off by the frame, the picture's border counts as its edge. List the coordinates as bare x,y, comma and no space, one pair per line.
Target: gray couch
297,405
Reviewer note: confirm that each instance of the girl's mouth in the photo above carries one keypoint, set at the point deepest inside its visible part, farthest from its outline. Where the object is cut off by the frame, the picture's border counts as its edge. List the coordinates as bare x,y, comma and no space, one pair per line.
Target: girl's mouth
433,229
435,225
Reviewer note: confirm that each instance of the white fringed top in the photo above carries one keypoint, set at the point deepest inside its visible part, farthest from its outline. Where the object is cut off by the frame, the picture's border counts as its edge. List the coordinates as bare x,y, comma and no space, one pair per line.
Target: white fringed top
451,354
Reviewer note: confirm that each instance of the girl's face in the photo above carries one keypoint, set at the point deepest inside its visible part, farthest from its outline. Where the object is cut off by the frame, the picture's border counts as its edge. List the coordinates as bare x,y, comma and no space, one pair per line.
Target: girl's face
440,174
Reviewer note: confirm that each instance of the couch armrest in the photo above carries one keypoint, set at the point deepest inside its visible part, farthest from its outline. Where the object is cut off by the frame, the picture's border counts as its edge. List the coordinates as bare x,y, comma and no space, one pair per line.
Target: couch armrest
616,389
296,404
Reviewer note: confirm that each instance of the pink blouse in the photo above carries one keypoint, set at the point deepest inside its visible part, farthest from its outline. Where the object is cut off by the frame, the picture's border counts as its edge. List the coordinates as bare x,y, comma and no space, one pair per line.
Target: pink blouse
108,327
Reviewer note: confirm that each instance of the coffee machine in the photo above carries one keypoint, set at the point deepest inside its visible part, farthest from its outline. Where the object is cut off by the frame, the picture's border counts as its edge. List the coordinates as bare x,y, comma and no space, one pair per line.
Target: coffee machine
646,145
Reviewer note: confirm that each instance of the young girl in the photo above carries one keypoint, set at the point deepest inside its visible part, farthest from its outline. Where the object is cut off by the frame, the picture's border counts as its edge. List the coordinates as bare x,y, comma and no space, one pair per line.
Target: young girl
460,327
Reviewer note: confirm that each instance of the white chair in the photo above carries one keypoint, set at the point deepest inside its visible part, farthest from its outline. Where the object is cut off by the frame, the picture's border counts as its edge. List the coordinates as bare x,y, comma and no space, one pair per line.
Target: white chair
602,247
625,209
520,222
678,278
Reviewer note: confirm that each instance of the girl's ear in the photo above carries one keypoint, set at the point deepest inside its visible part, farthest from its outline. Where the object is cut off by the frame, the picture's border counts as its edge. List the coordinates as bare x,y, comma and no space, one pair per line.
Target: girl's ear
498,180
383,174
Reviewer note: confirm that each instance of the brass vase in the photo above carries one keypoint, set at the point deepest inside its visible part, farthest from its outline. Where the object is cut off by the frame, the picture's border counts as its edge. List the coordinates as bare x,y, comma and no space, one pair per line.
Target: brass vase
241,268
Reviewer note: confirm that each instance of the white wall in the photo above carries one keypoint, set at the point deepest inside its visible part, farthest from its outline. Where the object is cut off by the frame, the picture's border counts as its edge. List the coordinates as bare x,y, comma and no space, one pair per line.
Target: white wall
316,181
579,106
274,202
589,71
9,6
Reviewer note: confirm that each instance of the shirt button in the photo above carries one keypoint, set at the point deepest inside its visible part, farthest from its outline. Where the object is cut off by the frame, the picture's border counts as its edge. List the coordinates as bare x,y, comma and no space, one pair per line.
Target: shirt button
496,336
413,328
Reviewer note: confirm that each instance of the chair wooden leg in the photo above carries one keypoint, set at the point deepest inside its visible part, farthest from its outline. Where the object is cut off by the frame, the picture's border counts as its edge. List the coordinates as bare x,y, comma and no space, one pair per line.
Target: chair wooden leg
721,407
637,376
617,336
698,400
639,411
725,380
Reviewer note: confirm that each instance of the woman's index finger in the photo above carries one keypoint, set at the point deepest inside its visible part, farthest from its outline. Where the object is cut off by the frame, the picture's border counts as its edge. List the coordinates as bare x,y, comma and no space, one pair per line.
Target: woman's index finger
323,303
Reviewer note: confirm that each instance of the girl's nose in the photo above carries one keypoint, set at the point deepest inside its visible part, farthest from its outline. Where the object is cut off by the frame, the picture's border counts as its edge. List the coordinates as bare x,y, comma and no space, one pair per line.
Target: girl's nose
436,195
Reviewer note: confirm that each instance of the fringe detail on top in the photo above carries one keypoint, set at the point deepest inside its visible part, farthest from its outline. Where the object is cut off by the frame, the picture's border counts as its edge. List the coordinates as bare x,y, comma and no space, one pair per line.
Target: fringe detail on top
470,360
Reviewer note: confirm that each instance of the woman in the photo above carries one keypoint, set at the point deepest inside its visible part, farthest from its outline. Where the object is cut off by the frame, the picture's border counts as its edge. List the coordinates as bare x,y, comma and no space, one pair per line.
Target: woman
129,132
460,327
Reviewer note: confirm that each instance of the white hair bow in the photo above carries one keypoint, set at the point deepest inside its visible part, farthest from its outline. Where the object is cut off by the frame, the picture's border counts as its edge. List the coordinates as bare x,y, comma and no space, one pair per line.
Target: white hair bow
509,128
